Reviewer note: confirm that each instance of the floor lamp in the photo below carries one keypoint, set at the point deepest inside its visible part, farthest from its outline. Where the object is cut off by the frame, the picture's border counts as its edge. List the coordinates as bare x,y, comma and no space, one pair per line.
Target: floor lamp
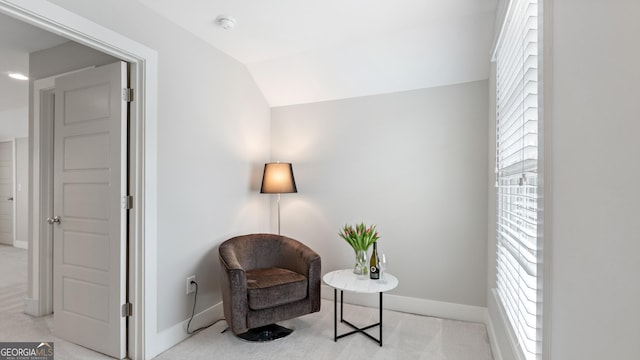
278,179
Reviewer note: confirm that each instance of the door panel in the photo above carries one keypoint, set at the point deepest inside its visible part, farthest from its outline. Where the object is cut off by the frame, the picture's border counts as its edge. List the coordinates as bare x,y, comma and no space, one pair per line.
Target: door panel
87,201
84,152
6,192
87,250
90,239
88,103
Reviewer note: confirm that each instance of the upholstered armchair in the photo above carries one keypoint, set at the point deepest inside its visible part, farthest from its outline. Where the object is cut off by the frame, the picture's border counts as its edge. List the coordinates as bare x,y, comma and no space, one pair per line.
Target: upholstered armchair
267,278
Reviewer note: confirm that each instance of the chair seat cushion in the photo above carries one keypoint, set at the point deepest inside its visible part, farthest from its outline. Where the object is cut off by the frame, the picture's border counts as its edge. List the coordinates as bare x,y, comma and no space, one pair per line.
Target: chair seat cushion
274,286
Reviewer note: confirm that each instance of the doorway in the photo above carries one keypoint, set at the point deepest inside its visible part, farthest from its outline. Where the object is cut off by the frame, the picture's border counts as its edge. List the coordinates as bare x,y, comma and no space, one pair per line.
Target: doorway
142,161
84,176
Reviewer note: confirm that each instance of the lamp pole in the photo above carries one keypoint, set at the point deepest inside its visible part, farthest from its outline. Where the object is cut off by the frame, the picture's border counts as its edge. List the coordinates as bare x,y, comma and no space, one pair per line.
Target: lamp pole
278,213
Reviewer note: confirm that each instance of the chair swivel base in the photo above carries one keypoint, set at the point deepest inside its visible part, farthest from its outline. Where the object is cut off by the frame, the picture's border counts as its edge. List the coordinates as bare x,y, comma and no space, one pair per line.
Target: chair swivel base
265,333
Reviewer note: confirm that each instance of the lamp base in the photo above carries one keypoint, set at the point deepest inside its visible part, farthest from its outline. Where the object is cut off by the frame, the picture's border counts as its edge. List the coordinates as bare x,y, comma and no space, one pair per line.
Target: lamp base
265,333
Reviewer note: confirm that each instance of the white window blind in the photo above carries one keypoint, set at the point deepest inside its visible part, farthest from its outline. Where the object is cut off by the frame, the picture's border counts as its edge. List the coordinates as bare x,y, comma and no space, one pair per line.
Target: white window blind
517,174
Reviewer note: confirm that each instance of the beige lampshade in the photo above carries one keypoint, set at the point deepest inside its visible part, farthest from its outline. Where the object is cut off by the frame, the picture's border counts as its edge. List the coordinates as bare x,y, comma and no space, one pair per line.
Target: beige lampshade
278,179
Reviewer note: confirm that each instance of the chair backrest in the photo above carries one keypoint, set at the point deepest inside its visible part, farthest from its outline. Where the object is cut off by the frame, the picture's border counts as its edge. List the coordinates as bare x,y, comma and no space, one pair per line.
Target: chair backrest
257,251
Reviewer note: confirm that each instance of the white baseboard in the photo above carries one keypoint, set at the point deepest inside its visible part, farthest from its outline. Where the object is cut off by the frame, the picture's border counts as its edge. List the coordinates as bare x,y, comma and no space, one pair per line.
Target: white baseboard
172,336
21,244
415,306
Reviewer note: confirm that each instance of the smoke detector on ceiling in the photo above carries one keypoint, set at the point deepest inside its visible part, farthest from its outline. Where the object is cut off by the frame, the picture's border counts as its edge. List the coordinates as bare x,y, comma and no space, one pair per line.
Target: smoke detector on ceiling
226,22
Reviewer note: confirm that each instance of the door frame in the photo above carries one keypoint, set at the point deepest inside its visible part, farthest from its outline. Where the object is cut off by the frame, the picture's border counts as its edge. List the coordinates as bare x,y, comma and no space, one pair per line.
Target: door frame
142,157
40,301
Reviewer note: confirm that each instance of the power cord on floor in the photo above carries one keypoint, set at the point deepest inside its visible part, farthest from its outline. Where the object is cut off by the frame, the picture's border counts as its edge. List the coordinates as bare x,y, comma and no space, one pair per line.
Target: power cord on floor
193,312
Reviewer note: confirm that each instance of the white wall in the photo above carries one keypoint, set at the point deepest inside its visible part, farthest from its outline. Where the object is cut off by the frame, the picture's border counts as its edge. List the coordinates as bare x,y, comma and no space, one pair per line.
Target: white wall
414,163
213,139
14,123
13,93
595,144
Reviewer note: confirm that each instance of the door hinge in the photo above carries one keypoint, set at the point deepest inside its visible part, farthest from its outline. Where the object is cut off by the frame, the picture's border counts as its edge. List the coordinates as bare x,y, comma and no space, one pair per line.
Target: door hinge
127,94
127,309
127,202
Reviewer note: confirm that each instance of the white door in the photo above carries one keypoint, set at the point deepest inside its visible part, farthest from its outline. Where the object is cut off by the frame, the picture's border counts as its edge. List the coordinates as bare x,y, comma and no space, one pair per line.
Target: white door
89,223
6,192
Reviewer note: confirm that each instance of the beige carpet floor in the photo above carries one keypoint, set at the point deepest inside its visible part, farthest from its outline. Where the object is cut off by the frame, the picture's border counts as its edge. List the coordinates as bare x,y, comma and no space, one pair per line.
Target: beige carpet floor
406,336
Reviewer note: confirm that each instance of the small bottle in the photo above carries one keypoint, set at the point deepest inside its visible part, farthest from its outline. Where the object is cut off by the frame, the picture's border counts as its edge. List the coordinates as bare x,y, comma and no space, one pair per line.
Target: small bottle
374,265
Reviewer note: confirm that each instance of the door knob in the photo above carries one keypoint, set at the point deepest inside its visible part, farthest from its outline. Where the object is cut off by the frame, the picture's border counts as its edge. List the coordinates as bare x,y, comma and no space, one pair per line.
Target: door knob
53,220
10,199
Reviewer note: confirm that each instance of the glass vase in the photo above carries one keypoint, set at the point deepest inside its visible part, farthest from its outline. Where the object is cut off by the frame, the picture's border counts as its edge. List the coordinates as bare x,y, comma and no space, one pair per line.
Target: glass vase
361,263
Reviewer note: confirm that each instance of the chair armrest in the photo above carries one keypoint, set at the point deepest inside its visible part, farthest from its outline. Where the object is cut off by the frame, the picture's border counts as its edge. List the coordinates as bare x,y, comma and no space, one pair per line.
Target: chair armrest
314,278
234,291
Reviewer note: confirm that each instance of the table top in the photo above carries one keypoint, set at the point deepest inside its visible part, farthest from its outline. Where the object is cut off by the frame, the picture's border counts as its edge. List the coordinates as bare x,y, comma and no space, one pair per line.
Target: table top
348,281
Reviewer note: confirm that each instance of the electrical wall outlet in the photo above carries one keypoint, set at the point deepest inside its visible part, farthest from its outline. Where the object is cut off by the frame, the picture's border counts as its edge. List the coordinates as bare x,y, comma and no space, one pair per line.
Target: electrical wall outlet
191,287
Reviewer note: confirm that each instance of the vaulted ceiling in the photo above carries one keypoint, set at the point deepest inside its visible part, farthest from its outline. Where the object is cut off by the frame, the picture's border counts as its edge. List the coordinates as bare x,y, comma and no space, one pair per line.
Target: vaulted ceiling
309,51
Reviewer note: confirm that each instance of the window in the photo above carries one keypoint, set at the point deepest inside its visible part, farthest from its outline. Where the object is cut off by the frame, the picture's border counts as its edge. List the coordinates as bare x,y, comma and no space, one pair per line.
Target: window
517,225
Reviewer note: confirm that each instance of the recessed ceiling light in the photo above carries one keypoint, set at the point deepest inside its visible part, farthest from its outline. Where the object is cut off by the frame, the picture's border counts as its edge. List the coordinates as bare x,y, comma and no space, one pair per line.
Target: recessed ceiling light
226,22
18,76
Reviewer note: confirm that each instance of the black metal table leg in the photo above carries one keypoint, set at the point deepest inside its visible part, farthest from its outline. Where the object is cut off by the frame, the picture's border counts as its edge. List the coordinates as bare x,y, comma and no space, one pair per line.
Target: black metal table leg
335,315
345,280
380,319
355,328
341,305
